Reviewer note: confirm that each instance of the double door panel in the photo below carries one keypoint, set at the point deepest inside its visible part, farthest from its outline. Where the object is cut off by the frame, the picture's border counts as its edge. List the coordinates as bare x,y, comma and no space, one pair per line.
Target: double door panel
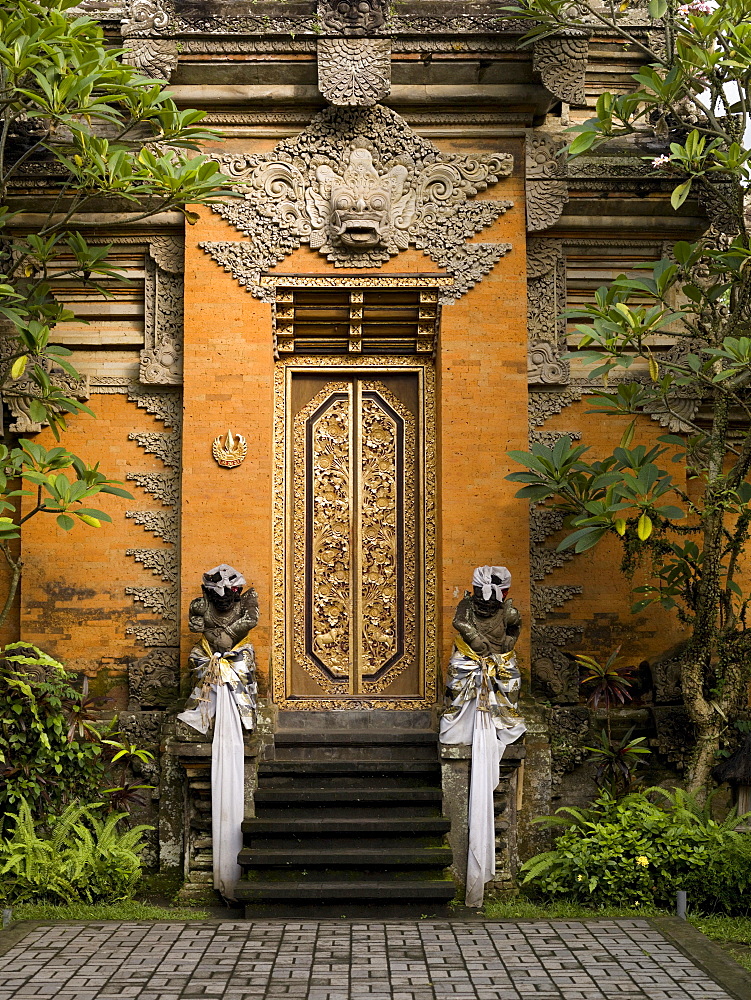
355,537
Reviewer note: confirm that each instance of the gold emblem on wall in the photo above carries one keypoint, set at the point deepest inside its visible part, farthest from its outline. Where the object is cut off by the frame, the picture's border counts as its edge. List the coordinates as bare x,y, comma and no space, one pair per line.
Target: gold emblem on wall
230,452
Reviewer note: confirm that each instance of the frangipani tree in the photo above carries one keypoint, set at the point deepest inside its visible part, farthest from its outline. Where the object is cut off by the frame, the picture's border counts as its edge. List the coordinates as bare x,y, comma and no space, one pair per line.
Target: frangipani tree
109,140
694,91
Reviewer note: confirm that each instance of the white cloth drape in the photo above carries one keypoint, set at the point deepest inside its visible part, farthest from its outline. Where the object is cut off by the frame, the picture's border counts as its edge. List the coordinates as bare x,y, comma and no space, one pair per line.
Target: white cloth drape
227,793
482,714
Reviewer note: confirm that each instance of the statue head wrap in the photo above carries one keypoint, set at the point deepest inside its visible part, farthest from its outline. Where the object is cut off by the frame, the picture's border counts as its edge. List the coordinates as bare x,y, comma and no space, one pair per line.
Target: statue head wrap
222,578
483,577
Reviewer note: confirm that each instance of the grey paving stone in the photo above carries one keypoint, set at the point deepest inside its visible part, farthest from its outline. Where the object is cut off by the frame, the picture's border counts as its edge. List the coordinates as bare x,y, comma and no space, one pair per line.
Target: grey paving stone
368,960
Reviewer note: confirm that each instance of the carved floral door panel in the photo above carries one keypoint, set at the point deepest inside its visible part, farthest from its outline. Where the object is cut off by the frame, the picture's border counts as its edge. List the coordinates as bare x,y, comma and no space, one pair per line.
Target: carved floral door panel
354,621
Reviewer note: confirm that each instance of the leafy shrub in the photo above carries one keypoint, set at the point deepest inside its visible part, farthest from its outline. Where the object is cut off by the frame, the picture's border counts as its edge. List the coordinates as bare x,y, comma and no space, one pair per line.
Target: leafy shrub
640,850
47,753
81,857
54,749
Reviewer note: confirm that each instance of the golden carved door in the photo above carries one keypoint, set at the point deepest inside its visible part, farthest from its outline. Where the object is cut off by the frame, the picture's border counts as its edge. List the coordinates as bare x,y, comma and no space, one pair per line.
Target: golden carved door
355,624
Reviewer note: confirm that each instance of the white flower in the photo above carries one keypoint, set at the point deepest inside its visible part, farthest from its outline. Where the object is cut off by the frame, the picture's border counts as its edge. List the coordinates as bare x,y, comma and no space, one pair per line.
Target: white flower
660,161
697,8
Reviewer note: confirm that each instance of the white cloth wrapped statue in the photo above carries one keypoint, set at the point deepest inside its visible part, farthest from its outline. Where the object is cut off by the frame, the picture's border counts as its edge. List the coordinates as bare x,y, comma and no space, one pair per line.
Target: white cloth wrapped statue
224,667
483,690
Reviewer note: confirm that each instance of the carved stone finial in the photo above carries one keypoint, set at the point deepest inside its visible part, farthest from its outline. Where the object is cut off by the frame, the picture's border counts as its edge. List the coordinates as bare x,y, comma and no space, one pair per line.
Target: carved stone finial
546,187
561,61
352,17
154,57
354,71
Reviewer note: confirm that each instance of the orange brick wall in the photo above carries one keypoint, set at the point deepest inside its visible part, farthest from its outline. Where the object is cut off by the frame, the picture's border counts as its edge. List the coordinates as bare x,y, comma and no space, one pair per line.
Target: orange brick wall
73,600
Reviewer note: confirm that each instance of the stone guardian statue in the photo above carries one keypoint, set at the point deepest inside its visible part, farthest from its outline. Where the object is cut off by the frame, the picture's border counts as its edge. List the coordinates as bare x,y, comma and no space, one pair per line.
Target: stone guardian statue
482,690
226,691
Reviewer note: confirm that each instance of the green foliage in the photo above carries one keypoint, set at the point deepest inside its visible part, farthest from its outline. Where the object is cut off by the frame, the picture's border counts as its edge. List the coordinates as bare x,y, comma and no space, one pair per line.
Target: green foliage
114,140
640,850
694,94
616,761
125,910
53,749
42,763
82,856
608,682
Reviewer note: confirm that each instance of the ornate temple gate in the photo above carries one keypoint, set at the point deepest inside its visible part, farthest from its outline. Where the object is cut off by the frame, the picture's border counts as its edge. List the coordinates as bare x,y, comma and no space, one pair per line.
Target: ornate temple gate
355,545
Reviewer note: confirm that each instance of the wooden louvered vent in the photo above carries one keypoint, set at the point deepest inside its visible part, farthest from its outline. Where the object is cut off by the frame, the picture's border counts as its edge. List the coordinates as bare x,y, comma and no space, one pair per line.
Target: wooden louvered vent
375,321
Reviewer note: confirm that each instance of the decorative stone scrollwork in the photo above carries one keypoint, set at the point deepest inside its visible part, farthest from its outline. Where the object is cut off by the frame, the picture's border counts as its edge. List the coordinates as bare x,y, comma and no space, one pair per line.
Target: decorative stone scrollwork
19,404
360,186
153,680
561,61
154,57
162,356
144,17
354,71
546,185
162,485
161,562
164,446
352,17
164,404
162,523
546,599
546,300
162,600
545,404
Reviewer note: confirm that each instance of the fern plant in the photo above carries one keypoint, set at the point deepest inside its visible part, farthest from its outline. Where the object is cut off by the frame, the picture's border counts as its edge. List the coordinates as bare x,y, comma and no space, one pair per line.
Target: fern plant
82,856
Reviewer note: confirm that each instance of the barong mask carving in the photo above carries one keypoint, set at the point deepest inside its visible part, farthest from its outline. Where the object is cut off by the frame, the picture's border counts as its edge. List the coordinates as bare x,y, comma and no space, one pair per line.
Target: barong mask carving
482,689
360,186
359,208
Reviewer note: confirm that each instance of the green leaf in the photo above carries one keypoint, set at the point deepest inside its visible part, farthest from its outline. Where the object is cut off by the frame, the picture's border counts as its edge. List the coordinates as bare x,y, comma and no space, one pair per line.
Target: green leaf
680,194
65,522
658,8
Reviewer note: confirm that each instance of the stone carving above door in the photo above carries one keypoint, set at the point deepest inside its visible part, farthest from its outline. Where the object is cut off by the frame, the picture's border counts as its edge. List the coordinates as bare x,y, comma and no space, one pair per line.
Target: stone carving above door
354,71
360,186
352,17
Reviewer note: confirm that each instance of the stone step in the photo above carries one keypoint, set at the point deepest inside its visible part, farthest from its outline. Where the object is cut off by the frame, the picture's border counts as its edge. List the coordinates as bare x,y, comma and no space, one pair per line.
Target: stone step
438,889
321,855
347,826
310,768
357,752
353,738
357,720
350,796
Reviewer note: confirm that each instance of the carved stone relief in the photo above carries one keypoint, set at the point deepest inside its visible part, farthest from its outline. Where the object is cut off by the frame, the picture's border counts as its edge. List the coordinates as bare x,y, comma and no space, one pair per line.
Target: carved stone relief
546,599
162,356
162,523
555,676
360,186
19,404
546,185
161,562
154,57
354,71
153,680
352,17
561,61
158,670
546,300
545,404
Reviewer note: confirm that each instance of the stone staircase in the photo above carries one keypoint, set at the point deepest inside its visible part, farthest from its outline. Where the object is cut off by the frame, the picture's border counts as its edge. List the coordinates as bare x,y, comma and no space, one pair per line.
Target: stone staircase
348,821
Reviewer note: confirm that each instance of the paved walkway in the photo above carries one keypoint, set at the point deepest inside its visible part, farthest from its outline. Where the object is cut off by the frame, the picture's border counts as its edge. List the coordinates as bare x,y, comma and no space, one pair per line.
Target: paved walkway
329,960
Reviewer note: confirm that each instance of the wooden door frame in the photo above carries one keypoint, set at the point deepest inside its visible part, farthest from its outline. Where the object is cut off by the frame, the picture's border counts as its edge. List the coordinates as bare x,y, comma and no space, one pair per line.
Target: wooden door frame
346,367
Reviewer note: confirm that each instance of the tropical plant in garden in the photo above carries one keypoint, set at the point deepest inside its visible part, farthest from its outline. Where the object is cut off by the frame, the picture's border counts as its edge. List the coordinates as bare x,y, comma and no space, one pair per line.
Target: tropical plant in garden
616,761
53,752
107,139
79,856
642,848
693,91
